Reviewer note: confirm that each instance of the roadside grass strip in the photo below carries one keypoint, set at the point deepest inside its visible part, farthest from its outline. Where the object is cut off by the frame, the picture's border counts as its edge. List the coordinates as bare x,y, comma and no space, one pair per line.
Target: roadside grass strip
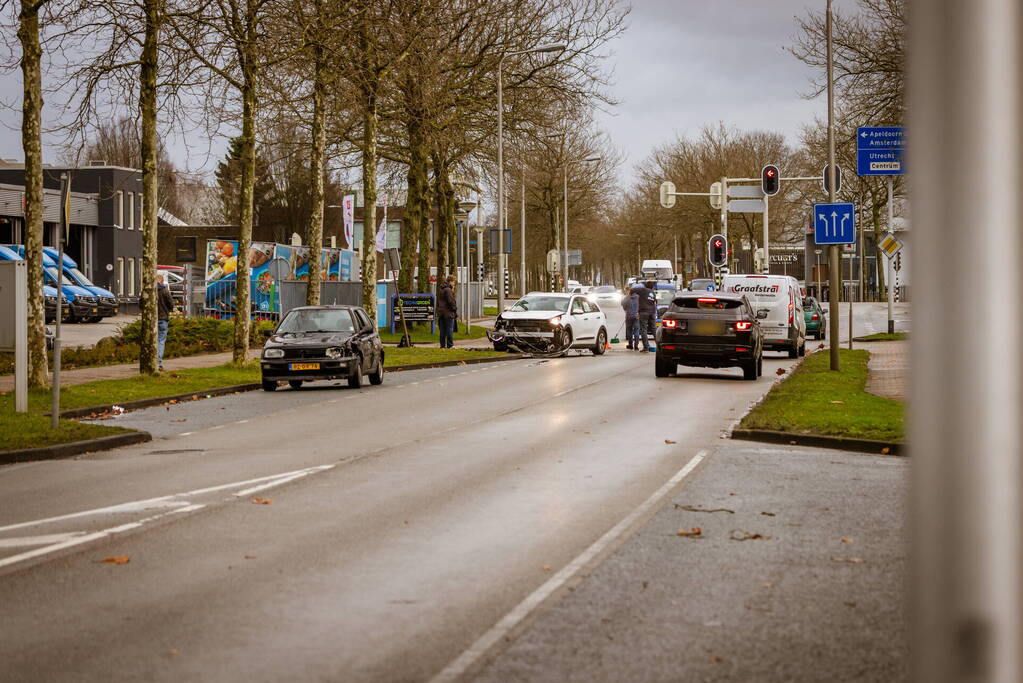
195,381
883,336
813,400
421,333
25,430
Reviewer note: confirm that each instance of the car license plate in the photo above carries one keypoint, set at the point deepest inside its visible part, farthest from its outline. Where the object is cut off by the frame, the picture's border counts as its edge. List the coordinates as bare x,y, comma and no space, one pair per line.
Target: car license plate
304,366
708,328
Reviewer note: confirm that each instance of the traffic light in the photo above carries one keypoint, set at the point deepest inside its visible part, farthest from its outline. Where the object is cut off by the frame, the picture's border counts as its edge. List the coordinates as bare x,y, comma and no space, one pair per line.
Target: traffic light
825,178
717,251
770,180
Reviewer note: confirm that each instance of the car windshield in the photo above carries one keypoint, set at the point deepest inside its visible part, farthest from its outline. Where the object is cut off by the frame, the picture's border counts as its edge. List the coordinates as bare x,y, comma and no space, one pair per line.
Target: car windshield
541,303
807,302
604,289
664,296
701,284
704,303
52,272
79,277
317,320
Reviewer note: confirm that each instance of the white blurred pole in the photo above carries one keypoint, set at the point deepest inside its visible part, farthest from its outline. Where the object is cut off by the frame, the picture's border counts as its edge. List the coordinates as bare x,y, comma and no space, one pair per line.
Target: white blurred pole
964,115
889,271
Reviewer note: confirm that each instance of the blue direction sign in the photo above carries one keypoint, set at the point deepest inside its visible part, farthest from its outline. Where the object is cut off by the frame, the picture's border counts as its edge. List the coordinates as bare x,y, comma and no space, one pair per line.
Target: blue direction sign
879,150
834,223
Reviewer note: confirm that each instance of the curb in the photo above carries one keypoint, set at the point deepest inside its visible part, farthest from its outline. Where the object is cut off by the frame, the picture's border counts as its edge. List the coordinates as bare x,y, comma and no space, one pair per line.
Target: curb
159,400
67,450
840,443
222,391
864,340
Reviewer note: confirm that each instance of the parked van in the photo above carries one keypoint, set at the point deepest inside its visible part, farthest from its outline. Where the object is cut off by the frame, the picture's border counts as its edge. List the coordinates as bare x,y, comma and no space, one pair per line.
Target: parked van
657,269
105,299
779,307
49,293
84,304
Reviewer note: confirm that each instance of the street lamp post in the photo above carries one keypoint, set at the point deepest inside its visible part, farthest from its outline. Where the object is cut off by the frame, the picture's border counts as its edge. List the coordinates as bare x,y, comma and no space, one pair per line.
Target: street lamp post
501,259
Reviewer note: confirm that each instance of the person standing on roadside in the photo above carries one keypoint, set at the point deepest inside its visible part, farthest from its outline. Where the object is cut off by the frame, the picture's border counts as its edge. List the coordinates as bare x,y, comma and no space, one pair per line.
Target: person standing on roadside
447,311
647,313
630,304
164,306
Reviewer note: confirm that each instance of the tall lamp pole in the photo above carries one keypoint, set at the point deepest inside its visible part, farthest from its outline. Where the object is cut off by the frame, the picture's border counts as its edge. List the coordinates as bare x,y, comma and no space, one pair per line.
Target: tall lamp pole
522,238
834,254
501,257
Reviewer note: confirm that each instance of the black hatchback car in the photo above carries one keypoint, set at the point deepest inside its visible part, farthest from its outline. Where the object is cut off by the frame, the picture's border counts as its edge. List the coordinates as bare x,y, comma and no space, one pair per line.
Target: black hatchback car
323,342
711,330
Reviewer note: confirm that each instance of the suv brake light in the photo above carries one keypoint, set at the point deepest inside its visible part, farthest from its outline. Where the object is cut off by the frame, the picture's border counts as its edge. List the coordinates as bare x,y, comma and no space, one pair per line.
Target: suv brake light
670,323
707,300
791,309
743,325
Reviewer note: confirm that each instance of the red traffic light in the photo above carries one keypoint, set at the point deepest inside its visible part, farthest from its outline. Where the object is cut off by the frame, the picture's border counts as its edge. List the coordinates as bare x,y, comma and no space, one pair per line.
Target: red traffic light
717,243
770,180
717,251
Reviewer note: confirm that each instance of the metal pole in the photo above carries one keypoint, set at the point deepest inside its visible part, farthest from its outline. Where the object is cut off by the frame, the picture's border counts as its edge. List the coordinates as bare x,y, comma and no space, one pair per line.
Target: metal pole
724,207
889,271
766,267
565,190
834,253
65,181
500,189
522,240
965,62
850,301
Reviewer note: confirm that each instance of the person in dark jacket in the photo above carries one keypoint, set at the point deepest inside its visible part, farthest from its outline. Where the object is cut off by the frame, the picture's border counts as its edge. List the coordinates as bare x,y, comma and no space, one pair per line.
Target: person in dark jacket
630,304
647,313
447,311
164,306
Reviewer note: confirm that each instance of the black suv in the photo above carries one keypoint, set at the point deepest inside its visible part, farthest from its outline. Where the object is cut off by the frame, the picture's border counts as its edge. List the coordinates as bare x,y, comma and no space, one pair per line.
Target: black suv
710,330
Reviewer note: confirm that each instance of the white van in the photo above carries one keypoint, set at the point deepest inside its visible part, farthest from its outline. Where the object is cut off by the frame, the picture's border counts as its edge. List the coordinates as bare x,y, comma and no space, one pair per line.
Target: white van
657,269
779,307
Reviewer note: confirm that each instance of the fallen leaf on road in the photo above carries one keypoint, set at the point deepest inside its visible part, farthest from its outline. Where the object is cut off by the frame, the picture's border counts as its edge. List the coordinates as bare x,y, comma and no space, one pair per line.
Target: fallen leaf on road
780,371
849,560
738,535
848,540
767,514
690,508
547,567
695,531
117,559
587,432
715,660
885,450
250,557
263,501
767,584
172,652
820,346
668,441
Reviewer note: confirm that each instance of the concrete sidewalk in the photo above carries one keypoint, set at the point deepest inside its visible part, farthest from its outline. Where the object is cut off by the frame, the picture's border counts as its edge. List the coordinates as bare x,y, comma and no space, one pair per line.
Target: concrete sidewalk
797,573
888,370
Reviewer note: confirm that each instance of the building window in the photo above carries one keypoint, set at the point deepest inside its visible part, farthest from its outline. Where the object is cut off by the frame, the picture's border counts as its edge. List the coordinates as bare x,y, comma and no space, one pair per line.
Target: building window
131,210
120,276
131,277
142,211
119,209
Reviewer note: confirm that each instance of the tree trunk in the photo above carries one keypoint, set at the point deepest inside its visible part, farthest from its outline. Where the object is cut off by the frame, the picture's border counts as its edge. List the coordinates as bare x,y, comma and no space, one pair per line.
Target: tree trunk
369,212
32,106
314,232
153,12
247,151
415,249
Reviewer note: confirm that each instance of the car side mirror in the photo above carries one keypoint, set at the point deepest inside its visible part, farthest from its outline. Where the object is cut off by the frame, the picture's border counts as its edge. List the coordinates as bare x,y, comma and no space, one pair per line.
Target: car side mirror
762,313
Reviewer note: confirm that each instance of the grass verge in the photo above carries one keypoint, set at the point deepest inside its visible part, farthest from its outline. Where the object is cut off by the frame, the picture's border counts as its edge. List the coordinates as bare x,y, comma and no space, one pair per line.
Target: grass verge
25,430
421,333
490,310
815,400
194,381
884,336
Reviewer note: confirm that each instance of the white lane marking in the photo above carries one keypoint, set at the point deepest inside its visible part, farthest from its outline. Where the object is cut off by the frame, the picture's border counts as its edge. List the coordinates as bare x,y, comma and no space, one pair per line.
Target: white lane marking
500,630
271,484
186,433
48,539
163,501
210,429
241,422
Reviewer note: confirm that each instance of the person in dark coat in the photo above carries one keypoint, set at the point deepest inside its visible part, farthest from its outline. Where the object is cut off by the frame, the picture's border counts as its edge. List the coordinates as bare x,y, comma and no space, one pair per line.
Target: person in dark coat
447,311
164,307
647,313
630,304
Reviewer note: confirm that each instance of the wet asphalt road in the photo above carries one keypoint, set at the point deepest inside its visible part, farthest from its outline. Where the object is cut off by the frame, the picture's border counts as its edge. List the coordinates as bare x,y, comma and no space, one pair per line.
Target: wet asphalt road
336,534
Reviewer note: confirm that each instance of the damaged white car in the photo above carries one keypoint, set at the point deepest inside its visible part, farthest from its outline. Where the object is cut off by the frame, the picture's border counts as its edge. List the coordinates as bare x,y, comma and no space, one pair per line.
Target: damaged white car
551,323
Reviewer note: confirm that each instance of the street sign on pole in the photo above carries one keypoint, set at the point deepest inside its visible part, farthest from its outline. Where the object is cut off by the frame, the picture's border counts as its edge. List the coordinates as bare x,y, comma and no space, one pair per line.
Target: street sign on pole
745,191
879,150
834,223
889,244
667,194
746,205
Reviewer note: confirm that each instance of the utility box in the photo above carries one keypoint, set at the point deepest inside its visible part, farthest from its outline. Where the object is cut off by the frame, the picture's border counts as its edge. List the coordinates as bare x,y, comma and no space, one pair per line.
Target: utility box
14,325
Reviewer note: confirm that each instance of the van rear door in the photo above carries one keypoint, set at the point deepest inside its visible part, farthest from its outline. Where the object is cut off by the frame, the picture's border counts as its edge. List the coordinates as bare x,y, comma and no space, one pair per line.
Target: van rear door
770,294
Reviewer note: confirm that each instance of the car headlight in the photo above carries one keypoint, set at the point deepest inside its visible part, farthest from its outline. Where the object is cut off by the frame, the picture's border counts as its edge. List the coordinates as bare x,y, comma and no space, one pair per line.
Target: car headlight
51,300
335,352
273,353
556,321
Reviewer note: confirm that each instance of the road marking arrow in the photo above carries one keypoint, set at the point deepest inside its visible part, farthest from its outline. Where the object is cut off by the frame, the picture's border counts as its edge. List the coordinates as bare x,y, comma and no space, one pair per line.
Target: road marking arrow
834,228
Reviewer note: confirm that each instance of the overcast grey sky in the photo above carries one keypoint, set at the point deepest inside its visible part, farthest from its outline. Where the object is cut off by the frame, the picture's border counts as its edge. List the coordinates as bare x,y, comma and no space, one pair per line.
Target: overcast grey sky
681,64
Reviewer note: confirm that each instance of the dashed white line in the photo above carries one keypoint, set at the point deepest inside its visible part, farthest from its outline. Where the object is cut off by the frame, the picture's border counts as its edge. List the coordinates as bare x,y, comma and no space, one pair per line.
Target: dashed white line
499,631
